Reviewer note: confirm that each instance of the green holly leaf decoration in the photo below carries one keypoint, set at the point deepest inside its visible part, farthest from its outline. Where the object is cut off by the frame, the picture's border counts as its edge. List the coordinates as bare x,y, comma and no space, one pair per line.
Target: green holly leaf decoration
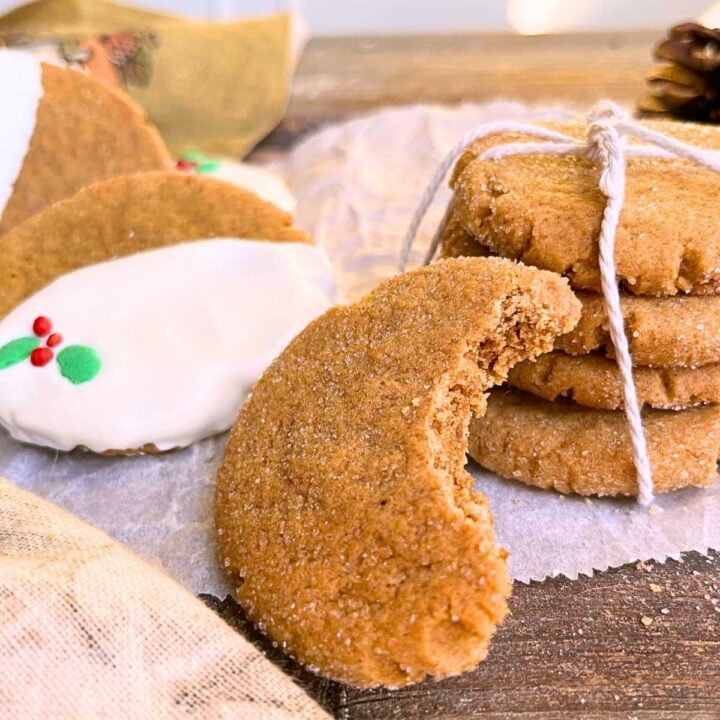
79,363
203,163
208,166
16,351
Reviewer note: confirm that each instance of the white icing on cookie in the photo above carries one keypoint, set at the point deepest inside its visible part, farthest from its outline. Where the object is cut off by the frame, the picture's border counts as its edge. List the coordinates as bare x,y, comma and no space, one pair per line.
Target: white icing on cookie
182,333
20,92
266,184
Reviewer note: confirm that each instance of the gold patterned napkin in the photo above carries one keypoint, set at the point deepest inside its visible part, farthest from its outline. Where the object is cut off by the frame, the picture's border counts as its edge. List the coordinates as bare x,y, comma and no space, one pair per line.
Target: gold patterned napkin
218,87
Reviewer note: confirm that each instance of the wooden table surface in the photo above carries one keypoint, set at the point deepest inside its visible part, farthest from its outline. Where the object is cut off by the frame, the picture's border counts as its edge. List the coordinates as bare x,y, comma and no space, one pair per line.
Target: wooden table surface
569,649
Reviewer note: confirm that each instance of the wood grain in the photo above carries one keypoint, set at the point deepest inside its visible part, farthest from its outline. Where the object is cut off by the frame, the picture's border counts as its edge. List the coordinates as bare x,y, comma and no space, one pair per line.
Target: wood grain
339,77
570,650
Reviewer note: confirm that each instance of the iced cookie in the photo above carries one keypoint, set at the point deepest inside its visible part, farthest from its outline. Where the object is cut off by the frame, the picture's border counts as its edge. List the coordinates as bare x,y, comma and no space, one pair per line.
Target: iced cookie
595,382
546,210
62,130
154,350
574,449
124,215
136,315
343,508
266,184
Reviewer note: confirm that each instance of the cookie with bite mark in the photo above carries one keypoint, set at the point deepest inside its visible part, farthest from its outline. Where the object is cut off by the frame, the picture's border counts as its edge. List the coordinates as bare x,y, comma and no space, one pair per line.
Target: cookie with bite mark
343,510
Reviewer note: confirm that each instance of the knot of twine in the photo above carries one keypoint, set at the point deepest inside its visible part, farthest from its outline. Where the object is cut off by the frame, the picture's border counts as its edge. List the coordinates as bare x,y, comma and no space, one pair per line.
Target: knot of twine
606,146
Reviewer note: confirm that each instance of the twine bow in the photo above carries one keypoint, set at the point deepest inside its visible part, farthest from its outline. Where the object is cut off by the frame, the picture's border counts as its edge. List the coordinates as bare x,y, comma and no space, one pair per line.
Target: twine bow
605,145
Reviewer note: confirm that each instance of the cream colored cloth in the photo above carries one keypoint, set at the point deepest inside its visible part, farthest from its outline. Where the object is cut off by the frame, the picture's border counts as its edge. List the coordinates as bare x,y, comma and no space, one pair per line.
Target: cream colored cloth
90,631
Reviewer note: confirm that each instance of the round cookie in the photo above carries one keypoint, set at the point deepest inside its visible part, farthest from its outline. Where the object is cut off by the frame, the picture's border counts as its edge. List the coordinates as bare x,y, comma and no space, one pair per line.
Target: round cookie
343,508
595,382
456,241
124,215
546,210
266,184
664,332
154,350
65,131
573,449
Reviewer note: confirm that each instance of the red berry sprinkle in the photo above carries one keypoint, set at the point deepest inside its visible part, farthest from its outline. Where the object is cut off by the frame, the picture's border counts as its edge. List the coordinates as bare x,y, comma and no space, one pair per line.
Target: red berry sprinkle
54,340
42,326
41,356
185,165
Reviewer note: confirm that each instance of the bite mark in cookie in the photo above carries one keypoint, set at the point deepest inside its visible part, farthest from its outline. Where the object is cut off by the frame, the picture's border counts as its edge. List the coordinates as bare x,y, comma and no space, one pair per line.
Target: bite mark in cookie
343,508
681,331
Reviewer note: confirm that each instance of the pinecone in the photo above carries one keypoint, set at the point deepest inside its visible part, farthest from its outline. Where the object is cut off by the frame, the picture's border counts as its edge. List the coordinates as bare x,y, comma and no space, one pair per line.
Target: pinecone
687,84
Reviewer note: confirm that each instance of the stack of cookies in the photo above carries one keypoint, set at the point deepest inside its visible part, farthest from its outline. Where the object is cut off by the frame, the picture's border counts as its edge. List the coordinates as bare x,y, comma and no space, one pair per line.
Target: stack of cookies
560,423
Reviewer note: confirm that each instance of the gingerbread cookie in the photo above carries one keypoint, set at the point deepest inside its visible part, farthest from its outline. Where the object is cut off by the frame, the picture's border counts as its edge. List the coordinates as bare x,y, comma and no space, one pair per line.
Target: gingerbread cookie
457,242
546,210
664,332
135,316
65,131
266,184
124,215
595,382
573,449
343,507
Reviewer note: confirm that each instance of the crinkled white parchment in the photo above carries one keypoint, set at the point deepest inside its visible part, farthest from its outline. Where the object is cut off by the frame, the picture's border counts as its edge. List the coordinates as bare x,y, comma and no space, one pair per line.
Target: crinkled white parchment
357,185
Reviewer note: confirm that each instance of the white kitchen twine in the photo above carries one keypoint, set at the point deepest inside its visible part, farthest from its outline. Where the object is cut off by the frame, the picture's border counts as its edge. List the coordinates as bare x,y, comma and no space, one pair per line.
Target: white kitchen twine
605,145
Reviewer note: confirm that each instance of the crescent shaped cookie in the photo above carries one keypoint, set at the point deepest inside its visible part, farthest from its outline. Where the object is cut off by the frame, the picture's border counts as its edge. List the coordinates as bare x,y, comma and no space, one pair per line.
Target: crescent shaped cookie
124,215
573,449
65,131
343,509
546,210
595,382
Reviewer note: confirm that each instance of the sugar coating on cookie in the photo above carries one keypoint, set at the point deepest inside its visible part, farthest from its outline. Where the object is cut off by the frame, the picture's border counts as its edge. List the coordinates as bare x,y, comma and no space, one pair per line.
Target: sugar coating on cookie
572,449
343,508
680,331
546,211
594,381
157,349
124,215
67,132
663,332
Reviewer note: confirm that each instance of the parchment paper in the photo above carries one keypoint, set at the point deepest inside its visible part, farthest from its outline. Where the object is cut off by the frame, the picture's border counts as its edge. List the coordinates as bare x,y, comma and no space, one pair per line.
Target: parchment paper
357,184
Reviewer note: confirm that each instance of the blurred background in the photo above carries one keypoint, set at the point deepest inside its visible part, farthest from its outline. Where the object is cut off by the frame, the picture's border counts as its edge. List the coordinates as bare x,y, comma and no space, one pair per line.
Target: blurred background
287,67
349,17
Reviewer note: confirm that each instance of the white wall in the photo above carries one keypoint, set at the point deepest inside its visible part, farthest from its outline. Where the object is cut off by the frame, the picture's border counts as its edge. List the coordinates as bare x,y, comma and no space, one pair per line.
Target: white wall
433,16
